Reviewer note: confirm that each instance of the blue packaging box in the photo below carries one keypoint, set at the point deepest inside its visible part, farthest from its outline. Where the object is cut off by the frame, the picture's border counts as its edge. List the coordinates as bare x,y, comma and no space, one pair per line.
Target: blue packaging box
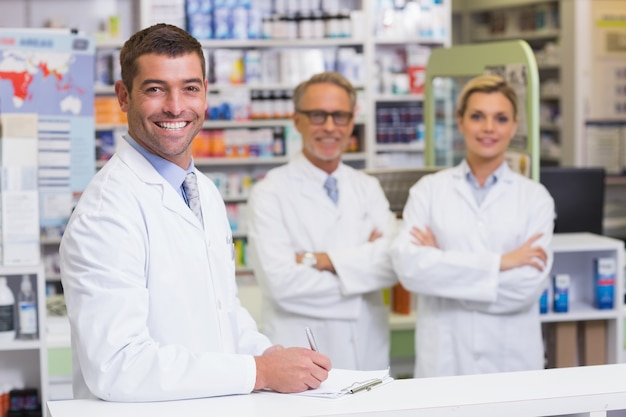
543,302
561,283
605,271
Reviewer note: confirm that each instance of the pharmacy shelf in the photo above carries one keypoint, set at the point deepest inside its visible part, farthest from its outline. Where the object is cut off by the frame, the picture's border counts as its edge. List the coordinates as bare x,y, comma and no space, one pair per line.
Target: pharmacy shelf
24,363
398,97
21,345
574,254
581,311
270,160
404,41
279,43
544,35
248,123
400,147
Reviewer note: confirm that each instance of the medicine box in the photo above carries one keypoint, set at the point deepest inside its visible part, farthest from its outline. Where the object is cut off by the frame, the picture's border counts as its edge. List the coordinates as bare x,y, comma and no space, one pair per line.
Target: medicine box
605,271
561,285
543,302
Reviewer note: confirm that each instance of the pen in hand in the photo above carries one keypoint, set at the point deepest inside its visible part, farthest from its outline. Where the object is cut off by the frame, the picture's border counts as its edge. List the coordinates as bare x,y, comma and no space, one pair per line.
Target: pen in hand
311,338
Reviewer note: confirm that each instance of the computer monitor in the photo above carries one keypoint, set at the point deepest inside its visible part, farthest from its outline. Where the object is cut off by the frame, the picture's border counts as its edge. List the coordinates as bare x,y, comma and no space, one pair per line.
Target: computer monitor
578,197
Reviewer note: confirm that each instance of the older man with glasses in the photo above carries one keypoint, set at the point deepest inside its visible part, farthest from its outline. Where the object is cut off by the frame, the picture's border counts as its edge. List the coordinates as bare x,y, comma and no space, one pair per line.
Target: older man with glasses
319,234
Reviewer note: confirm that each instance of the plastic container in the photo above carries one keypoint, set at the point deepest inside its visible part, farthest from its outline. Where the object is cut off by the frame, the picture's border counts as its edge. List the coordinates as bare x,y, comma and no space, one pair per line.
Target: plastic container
27,310
7,312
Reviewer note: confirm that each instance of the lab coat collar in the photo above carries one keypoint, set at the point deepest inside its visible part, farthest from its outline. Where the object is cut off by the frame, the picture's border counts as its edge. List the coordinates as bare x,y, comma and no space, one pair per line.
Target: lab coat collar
144,170
505,179
305,173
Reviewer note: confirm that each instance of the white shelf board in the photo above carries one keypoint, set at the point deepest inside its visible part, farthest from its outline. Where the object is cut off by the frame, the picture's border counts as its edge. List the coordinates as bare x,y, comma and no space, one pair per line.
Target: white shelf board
207,162
279,43
403,40
354,156
584,242
400,147
21,345
580,311
104,90
225,124
402,321
399,98
218,87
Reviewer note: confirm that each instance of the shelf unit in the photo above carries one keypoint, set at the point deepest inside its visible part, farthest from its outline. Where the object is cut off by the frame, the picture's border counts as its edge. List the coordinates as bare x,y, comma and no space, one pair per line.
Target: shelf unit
371,42
589,72
24,363
574,254
509,20
90,16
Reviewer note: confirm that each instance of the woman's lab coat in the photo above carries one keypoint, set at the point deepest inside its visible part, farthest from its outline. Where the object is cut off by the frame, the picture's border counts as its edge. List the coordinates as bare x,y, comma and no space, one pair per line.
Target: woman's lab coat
471,317
151,294
290,212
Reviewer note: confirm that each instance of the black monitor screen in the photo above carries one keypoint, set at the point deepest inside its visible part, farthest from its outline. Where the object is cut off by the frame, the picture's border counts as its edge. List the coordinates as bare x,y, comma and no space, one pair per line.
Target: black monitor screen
578,197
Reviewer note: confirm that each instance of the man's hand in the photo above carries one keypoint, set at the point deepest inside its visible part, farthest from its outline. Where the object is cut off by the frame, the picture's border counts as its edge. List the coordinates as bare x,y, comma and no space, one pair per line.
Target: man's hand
527,254
423,237
323,261
375,235
290,370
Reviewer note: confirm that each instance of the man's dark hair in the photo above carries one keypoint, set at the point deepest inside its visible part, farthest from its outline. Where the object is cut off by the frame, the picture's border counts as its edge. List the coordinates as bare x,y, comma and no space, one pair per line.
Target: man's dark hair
160,39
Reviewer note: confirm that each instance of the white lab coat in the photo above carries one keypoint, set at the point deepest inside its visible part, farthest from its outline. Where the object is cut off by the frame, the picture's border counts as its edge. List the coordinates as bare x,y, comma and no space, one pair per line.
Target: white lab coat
472,318
290,212
151,295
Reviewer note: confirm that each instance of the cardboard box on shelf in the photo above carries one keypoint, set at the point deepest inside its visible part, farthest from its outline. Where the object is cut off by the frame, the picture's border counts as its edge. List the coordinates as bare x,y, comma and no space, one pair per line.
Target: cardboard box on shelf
593,342
562,344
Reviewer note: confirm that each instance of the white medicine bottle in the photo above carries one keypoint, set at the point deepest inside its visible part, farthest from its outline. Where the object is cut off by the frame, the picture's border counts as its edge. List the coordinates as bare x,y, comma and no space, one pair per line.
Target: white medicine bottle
7,312
27,310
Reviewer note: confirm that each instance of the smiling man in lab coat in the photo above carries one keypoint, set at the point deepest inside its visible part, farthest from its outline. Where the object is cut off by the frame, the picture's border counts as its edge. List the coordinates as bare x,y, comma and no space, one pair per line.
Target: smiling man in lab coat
320,250
149,284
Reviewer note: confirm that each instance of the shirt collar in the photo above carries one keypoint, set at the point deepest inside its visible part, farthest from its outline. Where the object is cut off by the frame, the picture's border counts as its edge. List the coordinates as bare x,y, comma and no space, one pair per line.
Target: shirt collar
491,180
315,173
171,172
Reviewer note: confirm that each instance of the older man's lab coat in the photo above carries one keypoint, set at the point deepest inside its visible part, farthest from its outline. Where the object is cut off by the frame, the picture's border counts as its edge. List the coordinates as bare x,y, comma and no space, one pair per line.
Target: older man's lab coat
289,212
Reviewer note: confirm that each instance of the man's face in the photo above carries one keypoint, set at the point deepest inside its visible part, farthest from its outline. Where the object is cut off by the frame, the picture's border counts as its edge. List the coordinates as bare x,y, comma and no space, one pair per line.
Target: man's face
166,106
324,143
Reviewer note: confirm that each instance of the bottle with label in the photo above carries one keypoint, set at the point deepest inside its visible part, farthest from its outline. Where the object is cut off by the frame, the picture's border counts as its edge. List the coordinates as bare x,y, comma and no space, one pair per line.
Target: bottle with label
7,312
27,310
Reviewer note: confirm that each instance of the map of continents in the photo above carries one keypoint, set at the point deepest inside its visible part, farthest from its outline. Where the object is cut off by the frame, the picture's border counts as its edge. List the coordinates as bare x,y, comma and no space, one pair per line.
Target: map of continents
47,83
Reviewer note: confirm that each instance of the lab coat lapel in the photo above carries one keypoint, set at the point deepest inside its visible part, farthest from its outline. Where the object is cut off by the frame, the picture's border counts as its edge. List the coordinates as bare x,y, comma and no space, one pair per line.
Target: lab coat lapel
311,196
146,173
496,191
461,187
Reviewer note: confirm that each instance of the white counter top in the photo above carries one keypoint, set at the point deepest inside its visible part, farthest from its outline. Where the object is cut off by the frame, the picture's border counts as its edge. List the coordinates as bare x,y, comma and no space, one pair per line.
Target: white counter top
538,393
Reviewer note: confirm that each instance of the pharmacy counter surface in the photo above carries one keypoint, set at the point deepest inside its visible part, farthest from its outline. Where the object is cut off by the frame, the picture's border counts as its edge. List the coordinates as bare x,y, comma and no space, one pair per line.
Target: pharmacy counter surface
591,389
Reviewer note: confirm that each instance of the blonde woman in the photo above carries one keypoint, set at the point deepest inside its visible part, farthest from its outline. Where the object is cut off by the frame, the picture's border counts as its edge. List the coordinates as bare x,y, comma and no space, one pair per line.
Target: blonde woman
474,247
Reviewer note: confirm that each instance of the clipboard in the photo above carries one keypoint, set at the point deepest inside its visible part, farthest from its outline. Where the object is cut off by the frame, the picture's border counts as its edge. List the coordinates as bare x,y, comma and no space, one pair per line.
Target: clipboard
343,382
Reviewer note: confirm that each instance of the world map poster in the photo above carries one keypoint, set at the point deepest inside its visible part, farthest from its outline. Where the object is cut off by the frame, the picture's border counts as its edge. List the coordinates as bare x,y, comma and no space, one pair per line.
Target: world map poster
50,73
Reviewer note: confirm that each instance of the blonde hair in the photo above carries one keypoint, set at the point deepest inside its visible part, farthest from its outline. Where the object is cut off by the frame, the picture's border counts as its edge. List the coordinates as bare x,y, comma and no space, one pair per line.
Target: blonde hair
486,84
325,77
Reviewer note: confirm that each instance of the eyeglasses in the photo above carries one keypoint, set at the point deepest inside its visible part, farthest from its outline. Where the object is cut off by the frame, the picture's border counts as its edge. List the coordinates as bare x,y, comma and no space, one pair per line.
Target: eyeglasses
318,117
